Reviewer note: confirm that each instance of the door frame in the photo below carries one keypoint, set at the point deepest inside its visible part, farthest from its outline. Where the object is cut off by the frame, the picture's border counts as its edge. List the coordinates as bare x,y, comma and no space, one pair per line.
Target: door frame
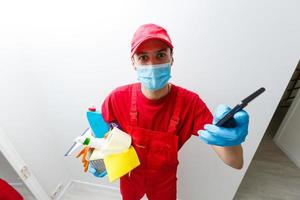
18,164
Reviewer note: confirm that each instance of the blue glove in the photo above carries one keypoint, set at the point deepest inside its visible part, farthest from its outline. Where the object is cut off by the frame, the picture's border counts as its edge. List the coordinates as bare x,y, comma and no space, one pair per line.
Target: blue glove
95,173
221,136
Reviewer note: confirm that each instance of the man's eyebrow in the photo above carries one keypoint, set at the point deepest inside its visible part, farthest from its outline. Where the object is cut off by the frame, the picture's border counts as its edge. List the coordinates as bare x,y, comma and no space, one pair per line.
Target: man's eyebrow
141,52
164,49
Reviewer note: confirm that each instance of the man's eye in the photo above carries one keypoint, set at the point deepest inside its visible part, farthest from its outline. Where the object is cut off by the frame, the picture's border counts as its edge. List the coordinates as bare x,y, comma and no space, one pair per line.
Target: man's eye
143,58
161,55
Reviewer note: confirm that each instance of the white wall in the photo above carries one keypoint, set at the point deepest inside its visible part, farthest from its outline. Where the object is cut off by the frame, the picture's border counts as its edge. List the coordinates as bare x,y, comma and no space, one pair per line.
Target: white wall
57,57
288,136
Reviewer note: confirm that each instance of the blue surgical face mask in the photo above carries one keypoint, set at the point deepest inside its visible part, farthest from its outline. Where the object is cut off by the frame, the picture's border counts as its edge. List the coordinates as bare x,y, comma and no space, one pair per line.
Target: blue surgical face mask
154,77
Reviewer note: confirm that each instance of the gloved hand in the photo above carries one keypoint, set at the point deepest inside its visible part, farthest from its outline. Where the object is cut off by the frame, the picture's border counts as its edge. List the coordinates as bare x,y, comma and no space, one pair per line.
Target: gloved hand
221,136
93,171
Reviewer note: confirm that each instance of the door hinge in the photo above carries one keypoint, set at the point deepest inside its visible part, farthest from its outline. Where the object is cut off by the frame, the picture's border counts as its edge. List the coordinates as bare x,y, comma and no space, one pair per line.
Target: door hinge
25,174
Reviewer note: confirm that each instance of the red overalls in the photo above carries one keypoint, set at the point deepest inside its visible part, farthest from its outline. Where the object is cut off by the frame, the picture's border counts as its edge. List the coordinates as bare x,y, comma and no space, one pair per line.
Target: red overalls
157,151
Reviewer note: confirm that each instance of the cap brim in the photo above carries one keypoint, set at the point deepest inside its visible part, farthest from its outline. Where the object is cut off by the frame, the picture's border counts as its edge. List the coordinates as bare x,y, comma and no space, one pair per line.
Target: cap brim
150,38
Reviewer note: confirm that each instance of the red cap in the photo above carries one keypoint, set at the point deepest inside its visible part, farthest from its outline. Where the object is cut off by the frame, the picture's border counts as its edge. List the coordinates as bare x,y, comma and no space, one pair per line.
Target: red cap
149,31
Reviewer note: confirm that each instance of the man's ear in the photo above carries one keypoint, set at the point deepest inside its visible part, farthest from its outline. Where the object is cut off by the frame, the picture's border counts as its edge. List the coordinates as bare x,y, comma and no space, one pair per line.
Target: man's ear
172,58
132,63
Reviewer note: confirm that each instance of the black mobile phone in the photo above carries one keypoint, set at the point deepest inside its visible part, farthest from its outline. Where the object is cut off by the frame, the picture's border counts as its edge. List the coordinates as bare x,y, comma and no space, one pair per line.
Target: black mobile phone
228,120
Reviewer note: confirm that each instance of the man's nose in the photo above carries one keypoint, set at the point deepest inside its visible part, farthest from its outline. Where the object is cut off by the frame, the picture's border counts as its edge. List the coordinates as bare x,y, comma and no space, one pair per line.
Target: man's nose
152,60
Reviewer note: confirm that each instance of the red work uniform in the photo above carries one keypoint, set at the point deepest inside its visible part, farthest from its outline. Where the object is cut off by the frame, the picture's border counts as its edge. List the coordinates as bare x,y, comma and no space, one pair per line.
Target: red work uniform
158,129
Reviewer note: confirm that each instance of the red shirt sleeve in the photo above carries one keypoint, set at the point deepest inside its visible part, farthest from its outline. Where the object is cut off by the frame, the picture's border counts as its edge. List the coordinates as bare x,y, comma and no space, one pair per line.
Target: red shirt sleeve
193,118
107,108
202,116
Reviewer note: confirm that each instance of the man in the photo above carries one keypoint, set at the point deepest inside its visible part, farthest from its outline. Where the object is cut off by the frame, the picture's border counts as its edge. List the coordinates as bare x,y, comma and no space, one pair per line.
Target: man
161,117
